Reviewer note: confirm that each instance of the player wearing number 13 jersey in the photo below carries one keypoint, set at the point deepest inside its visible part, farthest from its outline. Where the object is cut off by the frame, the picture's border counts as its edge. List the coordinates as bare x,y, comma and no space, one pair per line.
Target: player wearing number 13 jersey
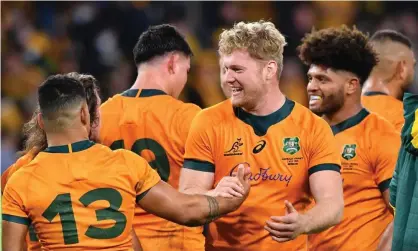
150,121
79,195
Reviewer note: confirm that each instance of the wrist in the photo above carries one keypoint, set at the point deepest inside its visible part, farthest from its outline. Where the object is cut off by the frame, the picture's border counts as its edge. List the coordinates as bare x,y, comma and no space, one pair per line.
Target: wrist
305,221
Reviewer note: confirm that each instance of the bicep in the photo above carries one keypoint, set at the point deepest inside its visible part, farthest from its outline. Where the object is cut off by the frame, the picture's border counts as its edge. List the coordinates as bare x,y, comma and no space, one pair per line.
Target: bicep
13,235
326,185
194,180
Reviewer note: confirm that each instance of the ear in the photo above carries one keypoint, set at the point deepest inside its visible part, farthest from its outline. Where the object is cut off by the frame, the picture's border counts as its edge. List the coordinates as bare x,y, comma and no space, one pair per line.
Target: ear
271,70
40,121
171,64
401,70
84,115
353,85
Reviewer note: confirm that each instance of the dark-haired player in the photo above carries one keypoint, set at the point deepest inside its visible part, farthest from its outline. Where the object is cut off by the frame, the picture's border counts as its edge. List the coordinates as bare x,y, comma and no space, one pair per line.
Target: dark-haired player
79,195
390,77
368,144
149,120
36,140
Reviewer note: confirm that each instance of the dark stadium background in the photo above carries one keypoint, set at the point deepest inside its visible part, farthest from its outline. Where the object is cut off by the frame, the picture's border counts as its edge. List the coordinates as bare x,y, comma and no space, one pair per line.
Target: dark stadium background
43,38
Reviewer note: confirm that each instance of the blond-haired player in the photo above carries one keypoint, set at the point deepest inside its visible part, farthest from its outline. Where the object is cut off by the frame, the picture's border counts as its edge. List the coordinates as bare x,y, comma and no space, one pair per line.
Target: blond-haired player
291,152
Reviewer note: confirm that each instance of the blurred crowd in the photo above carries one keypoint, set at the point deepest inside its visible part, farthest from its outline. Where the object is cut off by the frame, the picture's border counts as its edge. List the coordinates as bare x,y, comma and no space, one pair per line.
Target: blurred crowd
43,38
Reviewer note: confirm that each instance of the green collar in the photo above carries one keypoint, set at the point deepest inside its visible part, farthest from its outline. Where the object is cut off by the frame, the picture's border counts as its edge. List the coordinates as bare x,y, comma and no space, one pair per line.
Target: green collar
74,147
374,93
144,93
261,124
350,122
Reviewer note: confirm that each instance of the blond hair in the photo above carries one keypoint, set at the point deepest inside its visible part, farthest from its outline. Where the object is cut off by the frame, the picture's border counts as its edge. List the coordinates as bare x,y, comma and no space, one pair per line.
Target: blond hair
261,39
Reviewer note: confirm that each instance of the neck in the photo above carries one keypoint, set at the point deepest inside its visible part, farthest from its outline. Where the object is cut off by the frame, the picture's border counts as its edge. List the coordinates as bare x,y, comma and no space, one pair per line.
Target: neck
66,137
269,103
346,112
375,84
378,84
149,79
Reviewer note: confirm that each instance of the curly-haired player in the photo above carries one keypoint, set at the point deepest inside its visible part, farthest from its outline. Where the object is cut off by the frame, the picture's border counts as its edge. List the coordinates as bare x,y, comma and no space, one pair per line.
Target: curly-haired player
340,60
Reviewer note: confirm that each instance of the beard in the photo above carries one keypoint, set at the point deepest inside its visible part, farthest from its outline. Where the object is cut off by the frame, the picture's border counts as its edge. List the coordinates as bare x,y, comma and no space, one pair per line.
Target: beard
330,104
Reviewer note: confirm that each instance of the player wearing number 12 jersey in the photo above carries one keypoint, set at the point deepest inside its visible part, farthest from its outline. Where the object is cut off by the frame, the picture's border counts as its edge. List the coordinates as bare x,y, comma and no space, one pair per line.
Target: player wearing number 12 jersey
80,195
148,120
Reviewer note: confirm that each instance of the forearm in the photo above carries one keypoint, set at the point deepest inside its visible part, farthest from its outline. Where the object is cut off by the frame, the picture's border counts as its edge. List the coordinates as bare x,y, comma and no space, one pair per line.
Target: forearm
195,190
323,216
202,209
385,243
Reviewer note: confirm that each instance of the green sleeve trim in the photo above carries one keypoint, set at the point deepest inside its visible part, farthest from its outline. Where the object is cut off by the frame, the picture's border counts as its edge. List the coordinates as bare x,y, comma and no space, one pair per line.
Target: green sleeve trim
16,219
199,165
384,185
142,195
324,167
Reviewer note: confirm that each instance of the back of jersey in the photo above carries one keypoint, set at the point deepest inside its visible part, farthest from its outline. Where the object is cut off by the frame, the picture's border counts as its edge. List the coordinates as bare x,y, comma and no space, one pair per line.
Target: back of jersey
155,126
79,196
386,106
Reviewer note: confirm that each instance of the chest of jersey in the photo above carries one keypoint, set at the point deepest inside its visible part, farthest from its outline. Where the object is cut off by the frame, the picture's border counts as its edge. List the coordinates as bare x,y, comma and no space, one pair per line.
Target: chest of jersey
357,163
279,158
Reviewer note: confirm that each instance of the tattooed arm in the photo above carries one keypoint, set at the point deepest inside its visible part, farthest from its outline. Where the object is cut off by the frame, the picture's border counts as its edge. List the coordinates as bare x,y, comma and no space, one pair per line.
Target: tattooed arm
190,210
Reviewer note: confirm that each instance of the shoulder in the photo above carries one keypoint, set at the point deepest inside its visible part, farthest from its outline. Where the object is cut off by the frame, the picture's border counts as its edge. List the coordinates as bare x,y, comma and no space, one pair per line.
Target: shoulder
185,109
381,132
214,115
374,123
305,118
110,104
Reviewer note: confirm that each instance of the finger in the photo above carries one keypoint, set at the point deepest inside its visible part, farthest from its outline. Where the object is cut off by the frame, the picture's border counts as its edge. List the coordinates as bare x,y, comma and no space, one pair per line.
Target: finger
287,219
278,233
234,193
225,195
281,239
247,171
289,207
280,226
240,174
234,186
234,180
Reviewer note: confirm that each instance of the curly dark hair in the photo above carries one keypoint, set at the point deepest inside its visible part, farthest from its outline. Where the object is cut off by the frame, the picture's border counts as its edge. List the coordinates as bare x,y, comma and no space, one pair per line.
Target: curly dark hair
339,48
36,137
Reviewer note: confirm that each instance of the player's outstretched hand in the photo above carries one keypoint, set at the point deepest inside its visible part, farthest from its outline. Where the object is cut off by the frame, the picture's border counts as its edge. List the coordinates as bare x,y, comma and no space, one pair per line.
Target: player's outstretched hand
287,227
230,186
242,175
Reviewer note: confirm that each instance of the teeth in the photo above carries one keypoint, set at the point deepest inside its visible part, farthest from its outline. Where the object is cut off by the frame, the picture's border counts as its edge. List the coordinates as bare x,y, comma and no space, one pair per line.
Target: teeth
315,97
236,89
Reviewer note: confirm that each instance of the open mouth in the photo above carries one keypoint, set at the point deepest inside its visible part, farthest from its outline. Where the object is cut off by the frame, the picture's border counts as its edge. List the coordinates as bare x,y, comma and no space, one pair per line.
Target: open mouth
314,99
236,90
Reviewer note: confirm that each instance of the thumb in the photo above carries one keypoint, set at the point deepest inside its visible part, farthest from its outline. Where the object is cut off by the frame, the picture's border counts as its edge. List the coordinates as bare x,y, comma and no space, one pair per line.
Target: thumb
240,173
289,207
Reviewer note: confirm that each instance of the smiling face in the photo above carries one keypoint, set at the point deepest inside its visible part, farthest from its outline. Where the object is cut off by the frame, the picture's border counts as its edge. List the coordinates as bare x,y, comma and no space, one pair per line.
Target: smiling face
326,90
243,78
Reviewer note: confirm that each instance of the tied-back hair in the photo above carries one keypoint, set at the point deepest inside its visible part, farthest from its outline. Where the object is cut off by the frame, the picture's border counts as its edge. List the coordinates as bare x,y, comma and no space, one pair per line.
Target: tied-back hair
36,137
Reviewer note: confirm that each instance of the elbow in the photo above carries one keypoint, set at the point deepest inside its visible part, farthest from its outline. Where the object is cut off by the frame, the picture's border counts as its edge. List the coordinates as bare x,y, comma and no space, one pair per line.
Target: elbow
339,212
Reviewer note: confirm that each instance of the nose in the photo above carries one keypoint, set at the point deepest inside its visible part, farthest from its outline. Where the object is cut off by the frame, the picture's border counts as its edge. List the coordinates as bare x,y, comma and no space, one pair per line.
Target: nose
229,77
312,86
